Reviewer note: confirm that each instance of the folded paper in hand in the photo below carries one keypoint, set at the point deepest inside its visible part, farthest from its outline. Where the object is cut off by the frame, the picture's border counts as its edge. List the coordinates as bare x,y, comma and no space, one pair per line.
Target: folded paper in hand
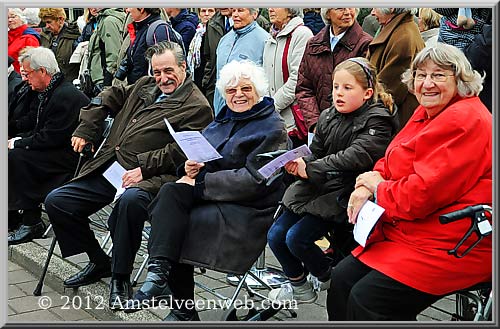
367,218
194,145
270,168
114,175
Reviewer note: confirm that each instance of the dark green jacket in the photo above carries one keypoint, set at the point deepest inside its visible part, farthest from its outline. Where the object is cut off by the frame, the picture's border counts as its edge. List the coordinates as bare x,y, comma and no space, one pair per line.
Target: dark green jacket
138,136
64,49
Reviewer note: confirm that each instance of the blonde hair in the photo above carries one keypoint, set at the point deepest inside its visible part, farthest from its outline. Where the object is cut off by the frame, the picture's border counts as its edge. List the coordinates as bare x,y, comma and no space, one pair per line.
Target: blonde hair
366,75
429,18
53,13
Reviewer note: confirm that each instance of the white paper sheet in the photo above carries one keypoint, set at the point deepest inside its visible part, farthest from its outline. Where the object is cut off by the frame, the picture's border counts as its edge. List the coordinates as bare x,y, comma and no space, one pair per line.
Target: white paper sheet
194,145
367,218
114,175
275,164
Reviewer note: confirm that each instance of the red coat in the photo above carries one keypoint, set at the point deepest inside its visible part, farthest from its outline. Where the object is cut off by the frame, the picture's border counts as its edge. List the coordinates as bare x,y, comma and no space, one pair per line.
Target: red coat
18,40
432,167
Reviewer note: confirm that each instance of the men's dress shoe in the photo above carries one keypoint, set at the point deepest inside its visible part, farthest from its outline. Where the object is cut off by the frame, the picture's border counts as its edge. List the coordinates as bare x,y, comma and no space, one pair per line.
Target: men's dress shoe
119,292
182,315
154,290
26,233
89,274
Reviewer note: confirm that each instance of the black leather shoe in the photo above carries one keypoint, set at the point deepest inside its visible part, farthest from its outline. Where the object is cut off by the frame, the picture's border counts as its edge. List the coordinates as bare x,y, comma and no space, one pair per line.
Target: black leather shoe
119,292
89,274
154,291
182,315
26,233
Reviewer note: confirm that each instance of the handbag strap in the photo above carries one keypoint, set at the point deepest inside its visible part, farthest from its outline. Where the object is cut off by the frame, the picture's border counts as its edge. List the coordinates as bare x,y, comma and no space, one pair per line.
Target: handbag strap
284,64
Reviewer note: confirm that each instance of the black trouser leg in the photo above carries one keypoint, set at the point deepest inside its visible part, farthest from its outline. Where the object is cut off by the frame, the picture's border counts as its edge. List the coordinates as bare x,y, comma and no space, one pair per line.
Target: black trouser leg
359,293
181,282
70,206
170,212
125,224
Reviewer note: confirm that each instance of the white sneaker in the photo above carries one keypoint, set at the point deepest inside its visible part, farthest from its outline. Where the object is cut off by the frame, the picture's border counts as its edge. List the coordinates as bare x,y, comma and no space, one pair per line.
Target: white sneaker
318,285
301,294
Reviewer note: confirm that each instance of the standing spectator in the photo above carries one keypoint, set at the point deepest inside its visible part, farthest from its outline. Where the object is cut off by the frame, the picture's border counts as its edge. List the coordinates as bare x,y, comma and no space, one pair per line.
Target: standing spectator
217,27
244,42
103,48
392,52
183,22
32,18
20,35
340,39
370,25
313,20
287,31
60,36
479,54
43,160
14,78
195,59
263,21
134,65
90,17
428,24
460,37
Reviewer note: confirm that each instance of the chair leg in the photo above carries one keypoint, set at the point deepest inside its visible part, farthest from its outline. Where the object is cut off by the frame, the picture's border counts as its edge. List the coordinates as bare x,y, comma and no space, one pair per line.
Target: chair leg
139,271
47,231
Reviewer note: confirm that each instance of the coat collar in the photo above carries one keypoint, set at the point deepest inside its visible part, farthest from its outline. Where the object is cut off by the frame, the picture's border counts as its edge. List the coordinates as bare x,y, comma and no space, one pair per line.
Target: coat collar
321,42
386,31
290,27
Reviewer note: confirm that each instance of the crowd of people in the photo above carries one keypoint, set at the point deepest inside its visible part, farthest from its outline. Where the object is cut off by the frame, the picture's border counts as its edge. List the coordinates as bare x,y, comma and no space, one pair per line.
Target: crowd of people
392,107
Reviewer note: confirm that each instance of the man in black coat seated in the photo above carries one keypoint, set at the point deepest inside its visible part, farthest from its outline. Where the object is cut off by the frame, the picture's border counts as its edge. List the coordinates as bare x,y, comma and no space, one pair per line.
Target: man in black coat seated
43,159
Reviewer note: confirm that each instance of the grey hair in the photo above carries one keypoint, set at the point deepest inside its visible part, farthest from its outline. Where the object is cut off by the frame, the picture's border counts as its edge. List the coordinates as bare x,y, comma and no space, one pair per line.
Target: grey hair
18,12
397,11
325,15
41,57
231,74
254,10
295,12
31,15
469,81
161,47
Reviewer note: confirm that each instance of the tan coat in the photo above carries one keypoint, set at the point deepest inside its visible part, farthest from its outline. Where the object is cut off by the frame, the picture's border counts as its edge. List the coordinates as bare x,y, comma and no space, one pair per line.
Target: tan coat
392,52
138,136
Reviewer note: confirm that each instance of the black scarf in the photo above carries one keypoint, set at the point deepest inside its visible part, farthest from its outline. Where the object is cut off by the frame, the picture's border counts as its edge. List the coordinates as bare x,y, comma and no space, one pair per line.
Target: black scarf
45,95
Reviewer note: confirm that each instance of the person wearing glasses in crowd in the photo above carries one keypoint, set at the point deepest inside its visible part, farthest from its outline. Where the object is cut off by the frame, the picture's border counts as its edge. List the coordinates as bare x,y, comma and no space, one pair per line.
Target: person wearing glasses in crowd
441,161
20,35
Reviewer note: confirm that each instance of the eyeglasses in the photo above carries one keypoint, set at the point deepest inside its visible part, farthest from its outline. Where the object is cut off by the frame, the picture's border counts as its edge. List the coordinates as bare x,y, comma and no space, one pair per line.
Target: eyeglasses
12,17
244,89
342,10
28,73
436,77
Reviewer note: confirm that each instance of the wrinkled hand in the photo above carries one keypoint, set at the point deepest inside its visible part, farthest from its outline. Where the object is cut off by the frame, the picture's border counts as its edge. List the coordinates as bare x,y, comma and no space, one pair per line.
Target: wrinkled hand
356,201
297,168
78,144
192,168
131,177
186,180
370,180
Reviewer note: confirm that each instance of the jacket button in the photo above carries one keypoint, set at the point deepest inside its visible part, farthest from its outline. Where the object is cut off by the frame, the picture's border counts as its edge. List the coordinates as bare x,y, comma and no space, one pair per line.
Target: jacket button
134,120
27,147
117,148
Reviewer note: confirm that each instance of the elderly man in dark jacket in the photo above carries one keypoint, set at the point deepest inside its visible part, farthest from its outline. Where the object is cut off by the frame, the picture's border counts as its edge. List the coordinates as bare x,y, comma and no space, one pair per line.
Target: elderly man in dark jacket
60,36
321,56
42,159
140,142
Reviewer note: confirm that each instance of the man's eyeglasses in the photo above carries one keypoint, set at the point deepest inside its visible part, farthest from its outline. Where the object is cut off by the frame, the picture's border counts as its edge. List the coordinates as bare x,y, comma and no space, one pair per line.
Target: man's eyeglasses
436,77
27,73
244,89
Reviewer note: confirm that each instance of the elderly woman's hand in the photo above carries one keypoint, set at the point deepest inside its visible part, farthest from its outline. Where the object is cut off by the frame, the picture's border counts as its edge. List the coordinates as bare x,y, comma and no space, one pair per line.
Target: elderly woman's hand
297,168
370,180
356,201
186,180
192,168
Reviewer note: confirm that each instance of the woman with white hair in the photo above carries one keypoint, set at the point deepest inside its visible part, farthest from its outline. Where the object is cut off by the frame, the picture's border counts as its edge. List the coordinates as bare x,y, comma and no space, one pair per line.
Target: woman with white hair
216,216
20,35
283,52
392,51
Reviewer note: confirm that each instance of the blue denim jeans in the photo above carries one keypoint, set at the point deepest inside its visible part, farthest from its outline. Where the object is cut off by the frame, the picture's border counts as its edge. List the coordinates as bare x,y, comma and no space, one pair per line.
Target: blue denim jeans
292,237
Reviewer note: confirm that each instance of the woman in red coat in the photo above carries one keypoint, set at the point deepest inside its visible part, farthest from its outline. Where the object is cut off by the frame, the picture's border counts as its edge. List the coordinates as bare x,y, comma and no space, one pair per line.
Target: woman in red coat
20,35
441,161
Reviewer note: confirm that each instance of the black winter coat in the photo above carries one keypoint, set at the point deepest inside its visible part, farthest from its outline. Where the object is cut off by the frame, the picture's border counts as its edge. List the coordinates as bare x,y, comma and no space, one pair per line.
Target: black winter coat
344,146
23,106
228,232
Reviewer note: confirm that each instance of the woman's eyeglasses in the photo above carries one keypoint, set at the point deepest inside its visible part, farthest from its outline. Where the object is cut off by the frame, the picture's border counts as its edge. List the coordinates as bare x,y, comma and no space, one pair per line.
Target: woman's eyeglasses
244,89
436,77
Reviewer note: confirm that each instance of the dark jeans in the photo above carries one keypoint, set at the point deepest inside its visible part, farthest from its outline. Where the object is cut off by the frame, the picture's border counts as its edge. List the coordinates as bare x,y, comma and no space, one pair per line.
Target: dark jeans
292,237
70,206
360,293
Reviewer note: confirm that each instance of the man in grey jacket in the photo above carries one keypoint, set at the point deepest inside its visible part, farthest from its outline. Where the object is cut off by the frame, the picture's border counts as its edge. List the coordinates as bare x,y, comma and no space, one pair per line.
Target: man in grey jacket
140,142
